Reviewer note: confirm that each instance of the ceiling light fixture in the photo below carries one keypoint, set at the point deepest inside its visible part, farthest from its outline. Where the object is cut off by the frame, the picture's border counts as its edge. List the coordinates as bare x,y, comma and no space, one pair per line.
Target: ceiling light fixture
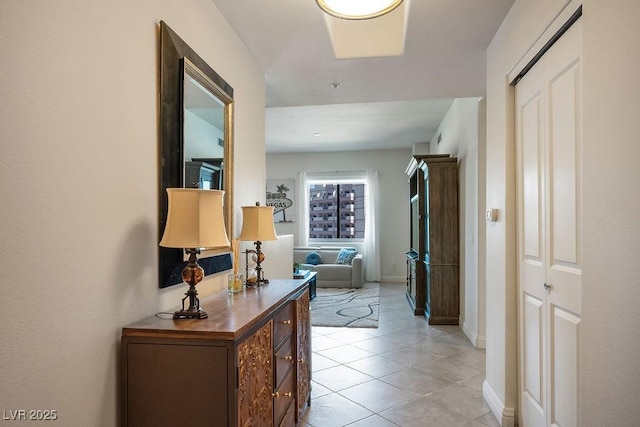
358,9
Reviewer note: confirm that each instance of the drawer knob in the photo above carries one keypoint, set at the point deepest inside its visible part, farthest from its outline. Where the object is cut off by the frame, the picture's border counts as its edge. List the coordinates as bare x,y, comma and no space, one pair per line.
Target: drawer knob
300,360
288,357
286,322
277,394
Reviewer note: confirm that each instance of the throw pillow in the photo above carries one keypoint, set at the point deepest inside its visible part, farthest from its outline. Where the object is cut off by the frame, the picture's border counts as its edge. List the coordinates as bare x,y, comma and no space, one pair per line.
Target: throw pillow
345,256
314,258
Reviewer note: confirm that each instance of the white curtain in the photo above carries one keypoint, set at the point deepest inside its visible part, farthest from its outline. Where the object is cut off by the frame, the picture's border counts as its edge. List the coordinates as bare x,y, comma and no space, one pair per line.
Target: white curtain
303,210
371,240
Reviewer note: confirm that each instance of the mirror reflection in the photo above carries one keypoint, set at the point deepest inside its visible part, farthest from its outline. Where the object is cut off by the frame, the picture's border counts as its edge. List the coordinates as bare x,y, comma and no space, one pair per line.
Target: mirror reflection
203,135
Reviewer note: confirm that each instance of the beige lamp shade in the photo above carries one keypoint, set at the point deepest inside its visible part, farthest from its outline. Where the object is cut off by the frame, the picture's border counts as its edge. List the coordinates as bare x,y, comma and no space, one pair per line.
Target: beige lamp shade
195,219
257,224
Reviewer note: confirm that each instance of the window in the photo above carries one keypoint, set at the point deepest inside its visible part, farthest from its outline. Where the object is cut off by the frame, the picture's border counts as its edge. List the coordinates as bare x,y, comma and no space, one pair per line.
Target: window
336,211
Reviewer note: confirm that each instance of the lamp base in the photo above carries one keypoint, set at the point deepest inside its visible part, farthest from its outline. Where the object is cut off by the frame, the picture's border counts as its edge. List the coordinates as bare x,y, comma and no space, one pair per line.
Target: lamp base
190,314
192,274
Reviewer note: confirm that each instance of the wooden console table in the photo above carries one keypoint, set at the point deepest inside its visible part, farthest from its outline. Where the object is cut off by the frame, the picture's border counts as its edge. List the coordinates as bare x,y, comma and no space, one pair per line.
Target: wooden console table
248,364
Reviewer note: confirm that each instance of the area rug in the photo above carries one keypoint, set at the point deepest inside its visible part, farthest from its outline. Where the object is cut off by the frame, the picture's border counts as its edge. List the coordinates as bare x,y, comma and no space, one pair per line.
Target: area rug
346,307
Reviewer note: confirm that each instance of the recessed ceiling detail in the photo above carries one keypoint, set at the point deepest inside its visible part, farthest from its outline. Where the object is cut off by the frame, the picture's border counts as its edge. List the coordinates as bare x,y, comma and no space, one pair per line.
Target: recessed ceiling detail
444,57
358,9
383,36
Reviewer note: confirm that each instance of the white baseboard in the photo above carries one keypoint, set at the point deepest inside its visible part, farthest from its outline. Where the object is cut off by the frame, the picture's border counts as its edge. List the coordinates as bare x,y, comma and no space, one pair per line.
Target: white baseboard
477,340
505,416
481,342
394,279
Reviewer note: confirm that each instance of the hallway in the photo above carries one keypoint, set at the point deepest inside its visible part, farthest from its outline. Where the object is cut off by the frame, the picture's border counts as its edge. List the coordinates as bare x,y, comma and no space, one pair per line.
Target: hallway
404,373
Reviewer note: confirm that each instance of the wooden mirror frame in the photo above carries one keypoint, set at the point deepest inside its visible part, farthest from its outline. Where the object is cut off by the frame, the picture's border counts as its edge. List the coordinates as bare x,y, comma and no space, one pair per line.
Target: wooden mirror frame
175,57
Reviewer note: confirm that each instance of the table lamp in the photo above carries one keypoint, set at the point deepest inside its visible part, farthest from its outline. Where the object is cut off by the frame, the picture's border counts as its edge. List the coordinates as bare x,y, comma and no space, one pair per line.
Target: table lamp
195,220
257,226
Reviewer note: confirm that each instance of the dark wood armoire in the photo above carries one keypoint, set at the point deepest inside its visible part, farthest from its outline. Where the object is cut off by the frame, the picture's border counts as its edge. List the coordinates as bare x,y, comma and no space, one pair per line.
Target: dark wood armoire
433,285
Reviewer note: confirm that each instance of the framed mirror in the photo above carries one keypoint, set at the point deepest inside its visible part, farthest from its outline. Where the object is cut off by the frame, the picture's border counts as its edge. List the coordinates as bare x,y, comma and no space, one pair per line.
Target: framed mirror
196,144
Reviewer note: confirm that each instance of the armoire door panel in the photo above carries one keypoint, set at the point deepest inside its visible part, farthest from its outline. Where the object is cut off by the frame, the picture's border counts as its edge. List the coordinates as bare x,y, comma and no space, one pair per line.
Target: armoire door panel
442,288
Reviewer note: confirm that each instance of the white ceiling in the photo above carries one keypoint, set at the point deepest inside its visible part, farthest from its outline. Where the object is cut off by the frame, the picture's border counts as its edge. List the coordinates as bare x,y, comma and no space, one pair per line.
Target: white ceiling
382,102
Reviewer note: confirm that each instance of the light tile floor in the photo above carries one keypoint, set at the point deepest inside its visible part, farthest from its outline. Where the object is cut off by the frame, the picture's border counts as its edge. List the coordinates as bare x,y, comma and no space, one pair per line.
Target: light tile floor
404,373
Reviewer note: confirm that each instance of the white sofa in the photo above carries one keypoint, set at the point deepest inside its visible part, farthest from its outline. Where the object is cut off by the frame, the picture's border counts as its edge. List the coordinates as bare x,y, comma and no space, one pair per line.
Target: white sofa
330,274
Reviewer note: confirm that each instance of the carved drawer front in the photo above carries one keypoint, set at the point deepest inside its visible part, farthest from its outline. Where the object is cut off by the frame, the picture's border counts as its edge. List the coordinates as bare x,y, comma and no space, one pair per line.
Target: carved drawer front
255,379
283,397
285,359
303,324
289,419
283,323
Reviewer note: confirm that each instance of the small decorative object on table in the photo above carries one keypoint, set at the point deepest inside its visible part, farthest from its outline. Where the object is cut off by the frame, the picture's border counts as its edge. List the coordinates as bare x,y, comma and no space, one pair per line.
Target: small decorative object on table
252,276
235,281
301,274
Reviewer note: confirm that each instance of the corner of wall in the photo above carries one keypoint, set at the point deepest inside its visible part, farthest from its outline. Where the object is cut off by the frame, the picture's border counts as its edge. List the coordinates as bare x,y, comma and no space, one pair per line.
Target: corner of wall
278,263
478,341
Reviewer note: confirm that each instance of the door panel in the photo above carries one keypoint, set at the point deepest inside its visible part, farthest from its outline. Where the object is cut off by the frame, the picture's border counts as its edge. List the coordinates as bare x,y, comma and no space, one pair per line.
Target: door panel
564,264
531,245
564,367
531,146
563,179
549,186
533,338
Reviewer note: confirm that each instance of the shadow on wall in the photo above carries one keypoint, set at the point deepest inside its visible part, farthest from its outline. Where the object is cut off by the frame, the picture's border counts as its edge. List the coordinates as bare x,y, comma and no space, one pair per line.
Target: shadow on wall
135,272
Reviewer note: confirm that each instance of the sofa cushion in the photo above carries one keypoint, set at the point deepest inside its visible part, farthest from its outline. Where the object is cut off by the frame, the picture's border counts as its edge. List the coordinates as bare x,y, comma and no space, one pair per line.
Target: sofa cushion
345,256
314,258
334,272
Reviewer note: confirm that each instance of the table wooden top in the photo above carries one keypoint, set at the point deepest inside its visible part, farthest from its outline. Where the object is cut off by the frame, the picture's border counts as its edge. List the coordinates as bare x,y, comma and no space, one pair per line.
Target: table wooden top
230,316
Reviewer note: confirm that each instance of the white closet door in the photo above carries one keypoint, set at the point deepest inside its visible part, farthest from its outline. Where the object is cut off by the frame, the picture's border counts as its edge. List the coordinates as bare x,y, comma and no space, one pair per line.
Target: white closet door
548,137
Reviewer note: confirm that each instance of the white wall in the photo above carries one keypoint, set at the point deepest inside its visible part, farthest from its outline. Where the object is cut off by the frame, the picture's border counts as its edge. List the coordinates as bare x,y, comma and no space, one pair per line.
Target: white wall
278,257
202,139
79,173
611,202
462,136
611,206
394,196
